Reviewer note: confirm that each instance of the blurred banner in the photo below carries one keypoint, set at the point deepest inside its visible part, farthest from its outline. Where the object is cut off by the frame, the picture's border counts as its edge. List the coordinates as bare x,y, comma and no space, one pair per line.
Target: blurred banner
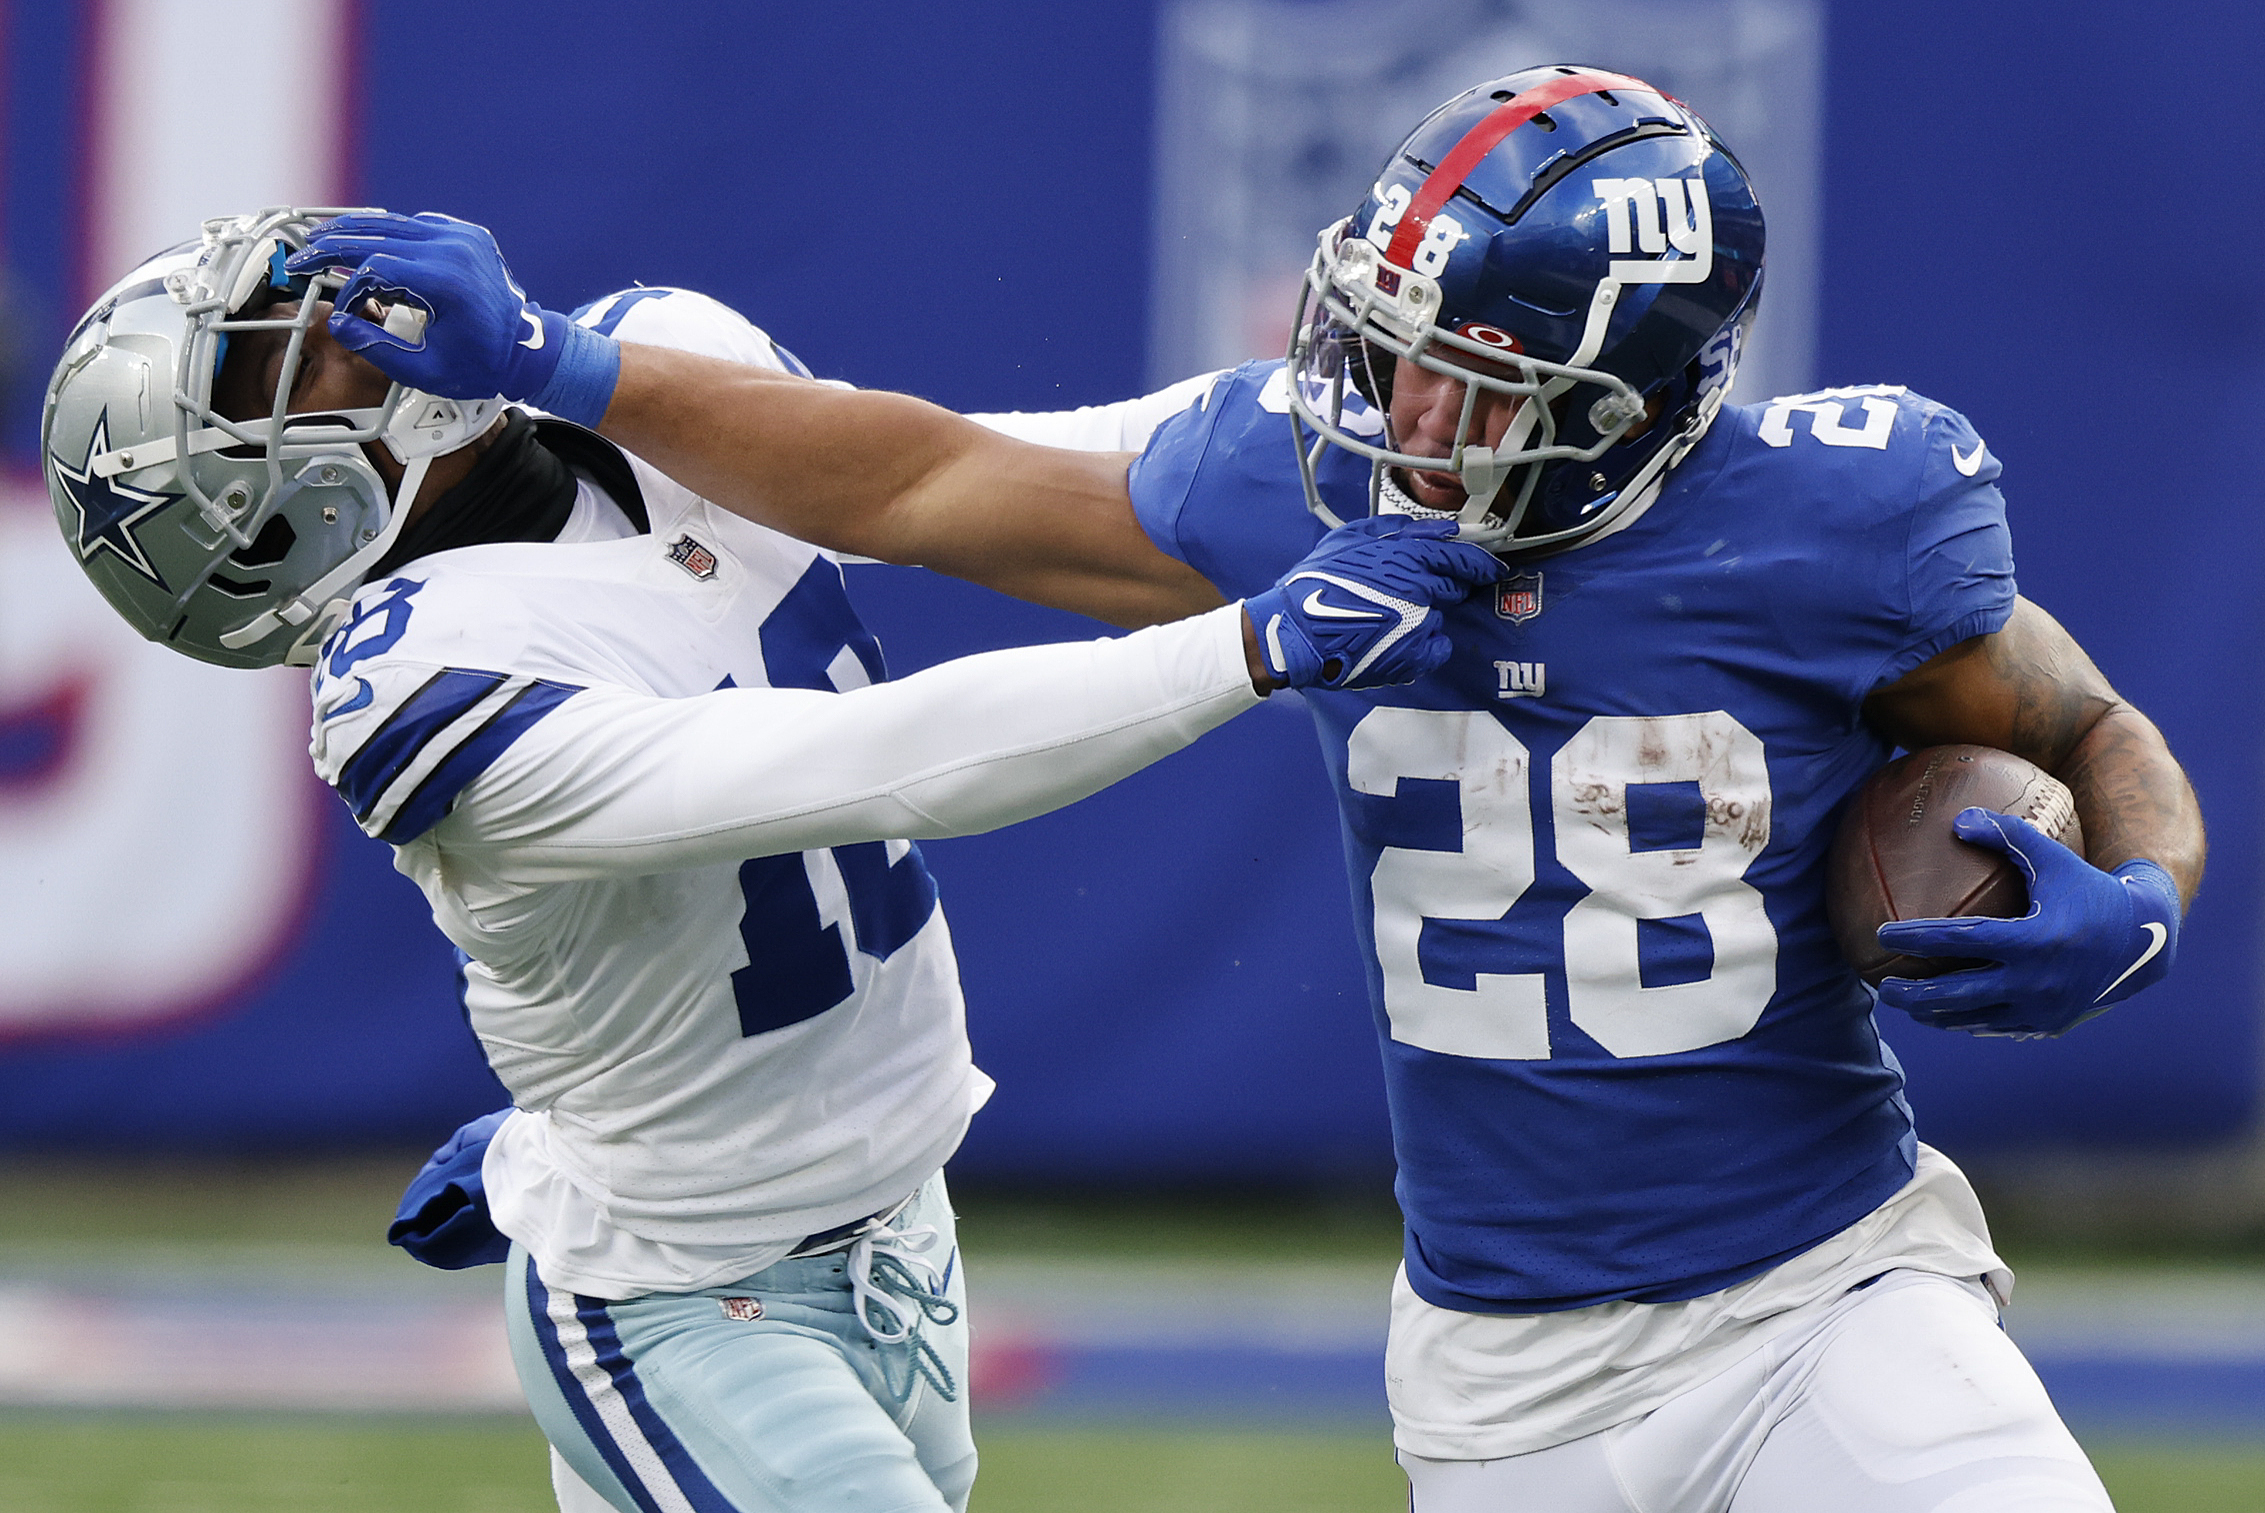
1031,206
1273,117
158,825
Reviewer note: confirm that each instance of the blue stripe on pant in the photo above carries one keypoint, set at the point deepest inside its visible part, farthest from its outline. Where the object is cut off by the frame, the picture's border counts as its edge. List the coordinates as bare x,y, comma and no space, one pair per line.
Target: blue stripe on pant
665,1404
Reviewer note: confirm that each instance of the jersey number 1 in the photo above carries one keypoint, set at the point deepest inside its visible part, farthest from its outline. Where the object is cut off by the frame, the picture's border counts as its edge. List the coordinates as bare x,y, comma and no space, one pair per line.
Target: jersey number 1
1702,884
798,965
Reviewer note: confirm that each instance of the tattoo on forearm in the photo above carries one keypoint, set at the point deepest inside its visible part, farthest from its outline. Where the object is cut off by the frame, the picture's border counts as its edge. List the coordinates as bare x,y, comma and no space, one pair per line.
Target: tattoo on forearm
2133,799
2055,704
2029,688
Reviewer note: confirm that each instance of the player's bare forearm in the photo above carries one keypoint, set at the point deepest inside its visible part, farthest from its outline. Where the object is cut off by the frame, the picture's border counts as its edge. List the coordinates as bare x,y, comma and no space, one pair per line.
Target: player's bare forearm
894,478
2135,800
2031,690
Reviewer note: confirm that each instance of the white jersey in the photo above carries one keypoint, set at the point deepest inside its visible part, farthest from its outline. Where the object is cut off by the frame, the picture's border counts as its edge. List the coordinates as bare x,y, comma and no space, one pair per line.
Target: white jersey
656,792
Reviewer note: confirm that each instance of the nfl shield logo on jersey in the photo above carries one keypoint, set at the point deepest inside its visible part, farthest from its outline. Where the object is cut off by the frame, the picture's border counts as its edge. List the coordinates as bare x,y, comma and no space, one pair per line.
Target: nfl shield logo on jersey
742,1310
1518,597
692,557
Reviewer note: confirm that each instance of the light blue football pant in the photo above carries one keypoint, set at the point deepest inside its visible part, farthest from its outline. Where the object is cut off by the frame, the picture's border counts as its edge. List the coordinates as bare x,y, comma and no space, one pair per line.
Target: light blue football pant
669,1404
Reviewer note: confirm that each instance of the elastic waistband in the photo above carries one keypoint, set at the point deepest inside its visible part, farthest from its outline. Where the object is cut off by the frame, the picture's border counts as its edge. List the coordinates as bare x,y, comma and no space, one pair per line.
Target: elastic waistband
843,1236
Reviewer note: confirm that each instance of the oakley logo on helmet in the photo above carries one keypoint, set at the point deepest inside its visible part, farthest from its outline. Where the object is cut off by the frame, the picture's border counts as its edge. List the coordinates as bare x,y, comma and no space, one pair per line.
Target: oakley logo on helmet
1634,223
1492,336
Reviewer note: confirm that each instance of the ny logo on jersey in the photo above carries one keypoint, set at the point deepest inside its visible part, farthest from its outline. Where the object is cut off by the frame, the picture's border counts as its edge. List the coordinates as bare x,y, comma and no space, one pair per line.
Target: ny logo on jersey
1520,680
1634,223
1827,410
1518,597
693,558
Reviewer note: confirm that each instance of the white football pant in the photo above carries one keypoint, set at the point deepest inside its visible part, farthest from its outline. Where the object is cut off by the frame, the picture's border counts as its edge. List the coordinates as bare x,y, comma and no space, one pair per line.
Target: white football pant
1903,1397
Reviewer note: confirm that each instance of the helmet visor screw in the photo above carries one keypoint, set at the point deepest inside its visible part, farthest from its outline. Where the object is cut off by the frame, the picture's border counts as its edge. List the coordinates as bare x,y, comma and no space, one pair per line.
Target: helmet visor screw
1597,481
330,514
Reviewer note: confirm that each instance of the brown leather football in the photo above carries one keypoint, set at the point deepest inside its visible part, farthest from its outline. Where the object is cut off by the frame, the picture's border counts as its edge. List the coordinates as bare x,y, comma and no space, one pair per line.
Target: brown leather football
1896,858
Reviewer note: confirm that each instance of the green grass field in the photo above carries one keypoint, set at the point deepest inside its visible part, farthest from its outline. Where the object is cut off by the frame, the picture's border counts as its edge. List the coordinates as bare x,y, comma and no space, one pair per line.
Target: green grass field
195,1464
63,1215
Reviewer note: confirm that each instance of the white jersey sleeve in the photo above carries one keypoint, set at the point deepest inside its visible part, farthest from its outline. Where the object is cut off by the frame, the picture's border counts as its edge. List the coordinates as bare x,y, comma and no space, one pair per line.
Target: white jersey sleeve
689,322
613,781
521,762
1121,427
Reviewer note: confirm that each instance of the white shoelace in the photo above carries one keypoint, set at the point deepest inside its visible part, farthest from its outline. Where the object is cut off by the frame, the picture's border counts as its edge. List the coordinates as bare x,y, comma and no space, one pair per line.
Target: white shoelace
896,1291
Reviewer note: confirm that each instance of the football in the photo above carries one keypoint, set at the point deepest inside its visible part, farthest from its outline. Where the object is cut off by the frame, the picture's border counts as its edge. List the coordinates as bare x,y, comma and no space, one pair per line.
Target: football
1896,858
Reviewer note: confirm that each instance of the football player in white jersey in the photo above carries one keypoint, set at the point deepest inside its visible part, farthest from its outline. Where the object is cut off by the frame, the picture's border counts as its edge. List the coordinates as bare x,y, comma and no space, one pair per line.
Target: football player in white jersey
641,757
1672,1243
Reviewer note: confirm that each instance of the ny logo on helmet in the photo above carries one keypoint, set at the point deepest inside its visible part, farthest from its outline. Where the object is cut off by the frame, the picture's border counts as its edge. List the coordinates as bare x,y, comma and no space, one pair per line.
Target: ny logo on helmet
1634,223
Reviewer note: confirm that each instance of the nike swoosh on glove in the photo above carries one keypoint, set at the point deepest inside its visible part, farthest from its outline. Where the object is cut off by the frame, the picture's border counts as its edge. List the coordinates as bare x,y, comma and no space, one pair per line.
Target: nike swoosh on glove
1361,610
2090,939
481,335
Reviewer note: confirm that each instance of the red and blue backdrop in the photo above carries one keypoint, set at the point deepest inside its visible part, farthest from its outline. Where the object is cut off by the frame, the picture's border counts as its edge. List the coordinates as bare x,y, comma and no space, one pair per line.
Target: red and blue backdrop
2051,217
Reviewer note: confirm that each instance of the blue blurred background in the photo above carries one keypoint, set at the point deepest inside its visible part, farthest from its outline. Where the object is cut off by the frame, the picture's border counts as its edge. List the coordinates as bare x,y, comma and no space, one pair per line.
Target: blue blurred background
2049,217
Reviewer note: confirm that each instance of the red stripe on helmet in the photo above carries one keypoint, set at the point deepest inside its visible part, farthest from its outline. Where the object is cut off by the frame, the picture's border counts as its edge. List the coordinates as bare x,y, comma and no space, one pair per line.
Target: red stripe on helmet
1482,139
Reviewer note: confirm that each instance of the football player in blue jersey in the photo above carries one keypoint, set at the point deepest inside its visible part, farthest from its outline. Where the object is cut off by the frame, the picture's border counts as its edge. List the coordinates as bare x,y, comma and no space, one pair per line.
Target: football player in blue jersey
645,764
1672,1242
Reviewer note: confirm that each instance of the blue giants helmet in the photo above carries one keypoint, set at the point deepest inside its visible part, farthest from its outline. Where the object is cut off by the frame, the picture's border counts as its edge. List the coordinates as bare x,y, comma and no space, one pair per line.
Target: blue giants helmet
1572,238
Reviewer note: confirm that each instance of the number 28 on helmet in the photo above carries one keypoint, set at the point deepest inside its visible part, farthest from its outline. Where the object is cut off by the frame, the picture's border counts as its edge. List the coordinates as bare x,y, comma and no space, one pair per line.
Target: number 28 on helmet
1574,242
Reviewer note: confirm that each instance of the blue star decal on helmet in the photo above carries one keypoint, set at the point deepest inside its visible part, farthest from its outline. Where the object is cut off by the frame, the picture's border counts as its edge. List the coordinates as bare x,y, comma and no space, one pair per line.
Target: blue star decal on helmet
109,510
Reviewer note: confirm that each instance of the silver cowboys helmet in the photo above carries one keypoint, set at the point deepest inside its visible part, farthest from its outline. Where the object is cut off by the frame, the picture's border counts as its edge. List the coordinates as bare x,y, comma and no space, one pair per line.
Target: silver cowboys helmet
238,542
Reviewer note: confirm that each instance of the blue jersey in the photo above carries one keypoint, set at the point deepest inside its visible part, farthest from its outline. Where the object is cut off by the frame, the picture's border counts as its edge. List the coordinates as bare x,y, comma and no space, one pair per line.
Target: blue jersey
1623,1055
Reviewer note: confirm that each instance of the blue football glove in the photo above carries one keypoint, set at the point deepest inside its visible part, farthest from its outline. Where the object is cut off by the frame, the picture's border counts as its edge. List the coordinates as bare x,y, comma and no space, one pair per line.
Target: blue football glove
481,336
2090,939
1361,610
443,1220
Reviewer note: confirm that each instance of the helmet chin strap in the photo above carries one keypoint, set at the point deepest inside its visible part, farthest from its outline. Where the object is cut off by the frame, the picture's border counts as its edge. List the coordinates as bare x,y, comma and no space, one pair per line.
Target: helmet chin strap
324,602
1483,476
1391,499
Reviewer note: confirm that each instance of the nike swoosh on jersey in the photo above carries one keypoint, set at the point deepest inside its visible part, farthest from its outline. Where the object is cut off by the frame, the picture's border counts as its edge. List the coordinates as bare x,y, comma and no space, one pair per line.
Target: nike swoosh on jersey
1969,465
2158,934
533,341
1320,611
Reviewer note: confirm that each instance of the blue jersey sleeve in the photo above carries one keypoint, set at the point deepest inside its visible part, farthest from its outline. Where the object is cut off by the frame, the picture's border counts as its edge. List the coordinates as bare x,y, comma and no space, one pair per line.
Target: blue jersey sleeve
1218,486
1959,564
